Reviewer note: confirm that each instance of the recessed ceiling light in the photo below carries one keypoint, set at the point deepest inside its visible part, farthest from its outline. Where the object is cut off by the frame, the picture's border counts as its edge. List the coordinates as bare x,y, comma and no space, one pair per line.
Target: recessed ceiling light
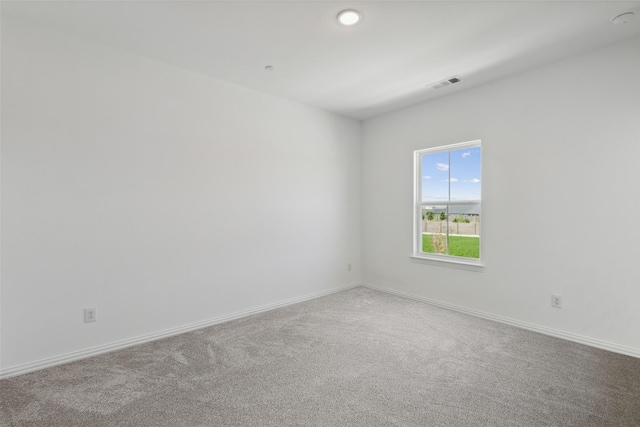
349,17
623,18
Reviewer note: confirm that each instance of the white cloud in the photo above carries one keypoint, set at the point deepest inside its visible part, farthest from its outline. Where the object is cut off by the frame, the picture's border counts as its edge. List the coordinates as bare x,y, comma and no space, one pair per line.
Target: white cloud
426,177
472,180
466,154
452,180
442,166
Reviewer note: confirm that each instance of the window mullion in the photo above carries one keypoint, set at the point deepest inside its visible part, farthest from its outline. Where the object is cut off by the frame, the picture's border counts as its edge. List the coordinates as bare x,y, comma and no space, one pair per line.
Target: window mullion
448,196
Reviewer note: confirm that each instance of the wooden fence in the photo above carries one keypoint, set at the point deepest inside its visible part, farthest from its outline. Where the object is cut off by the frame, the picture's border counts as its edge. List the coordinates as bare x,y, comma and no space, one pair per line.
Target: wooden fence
464,228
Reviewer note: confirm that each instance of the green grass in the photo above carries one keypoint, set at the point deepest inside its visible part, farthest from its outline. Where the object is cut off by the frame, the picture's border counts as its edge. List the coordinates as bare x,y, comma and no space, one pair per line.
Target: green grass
468,247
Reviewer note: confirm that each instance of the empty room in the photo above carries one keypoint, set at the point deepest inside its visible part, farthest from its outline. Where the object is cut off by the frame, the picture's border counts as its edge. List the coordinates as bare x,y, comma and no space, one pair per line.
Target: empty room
320,213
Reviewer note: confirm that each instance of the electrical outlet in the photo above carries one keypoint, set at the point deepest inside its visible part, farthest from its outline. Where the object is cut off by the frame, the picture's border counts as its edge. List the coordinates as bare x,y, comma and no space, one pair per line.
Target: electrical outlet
556,301
349,267
90,315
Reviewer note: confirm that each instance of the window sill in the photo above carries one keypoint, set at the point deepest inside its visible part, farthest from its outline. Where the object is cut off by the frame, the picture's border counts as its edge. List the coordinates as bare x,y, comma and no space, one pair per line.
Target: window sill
461,264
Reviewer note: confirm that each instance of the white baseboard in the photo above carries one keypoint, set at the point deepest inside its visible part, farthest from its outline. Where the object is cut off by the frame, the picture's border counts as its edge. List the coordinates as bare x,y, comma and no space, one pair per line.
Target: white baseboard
106,348
604,345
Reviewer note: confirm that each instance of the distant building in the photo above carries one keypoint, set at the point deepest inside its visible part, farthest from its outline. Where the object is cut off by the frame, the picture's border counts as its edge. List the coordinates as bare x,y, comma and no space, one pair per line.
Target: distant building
465,210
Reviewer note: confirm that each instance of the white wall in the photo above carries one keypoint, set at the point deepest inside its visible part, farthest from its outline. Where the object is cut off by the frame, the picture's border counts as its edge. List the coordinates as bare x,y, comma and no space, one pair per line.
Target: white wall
561,147
161,196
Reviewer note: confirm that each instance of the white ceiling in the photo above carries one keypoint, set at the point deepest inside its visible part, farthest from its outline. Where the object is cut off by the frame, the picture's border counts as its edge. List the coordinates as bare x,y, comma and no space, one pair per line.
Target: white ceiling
381,64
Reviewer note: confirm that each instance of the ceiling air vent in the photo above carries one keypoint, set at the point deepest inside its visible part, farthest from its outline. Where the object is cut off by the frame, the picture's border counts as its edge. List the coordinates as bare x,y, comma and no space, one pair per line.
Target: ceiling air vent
443,83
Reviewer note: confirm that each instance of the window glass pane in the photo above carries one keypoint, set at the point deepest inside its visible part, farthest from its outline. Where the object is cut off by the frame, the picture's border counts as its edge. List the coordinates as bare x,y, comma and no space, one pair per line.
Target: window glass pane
464,219
464,230
434,229
464,173
435,176
464,246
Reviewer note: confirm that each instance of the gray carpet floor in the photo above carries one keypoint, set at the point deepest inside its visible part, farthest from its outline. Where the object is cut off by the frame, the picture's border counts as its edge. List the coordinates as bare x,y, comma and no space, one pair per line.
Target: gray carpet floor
355,358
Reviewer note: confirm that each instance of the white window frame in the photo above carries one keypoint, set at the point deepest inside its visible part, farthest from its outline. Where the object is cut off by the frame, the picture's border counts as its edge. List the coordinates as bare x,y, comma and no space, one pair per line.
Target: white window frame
418,256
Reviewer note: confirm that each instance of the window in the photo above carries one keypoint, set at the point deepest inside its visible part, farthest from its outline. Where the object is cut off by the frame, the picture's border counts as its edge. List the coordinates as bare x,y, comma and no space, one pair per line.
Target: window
447,203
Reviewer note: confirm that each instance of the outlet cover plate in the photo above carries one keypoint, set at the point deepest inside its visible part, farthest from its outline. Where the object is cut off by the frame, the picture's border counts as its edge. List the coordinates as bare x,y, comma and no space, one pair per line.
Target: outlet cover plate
90,315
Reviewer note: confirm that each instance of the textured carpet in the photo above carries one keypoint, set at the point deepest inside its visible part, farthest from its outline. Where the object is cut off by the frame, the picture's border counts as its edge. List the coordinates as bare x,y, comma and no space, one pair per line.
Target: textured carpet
355,358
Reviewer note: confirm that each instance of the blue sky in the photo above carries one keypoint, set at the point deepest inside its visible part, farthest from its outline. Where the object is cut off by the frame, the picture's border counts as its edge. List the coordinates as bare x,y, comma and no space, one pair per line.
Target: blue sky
451,175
